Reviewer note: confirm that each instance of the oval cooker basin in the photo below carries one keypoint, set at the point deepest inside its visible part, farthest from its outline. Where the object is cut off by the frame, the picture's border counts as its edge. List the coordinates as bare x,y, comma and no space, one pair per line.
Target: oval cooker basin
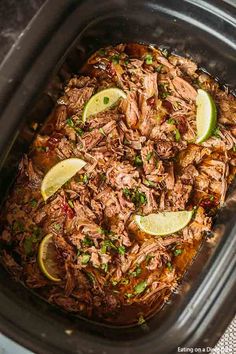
68,32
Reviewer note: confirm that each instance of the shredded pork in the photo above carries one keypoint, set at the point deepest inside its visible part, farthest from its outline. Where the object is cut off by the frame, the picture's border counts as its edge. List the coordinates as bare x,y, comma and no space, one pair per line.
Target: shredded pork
141,158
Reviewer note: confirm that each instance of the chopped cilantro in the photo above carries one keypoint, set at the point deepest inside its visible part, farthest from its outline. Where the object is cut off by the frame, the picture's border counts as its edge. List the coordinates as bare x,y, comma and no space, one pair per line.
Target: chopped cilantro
138,198
164,90
105,267
124,281
114,282
71,204
106,100
121,250
129,295
212,198
216,132
126,62
140,287
148,258
148,59
107,244
138,161
141,320
165,52
102,51
149,183
115,59
102,131
158,68
79,131
85,258
18,226
169,266
103,177
127,192
85,178
34,238
136,272
28,244
177,252
149,156
87,241
70,122
177,135
91,277
171,121
33,203
57,227
105,232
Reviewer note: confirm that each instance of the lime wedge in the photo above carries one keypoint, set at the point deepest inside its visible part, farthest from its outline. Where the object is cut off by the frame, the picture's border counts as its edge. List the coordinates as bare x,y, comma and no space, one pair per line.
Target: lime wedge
206,115
47,258
163,224
102,100
59,175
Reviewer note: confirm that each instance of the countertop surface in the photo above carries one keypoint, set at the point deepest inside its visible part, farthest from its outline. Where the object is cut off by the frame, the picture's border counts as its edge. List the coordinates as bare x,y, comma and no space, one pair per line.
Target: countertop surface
15,15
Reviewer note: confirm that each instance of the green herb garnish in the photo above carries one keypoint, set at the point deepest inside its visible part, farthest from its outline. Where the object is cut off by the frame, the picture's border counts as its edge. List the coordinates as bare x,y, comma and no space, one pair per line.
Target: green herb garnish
33,203
57,227
169,266
140,287
149,183
136,272
177,135
79,131
216,132
138,161
121,250
115,59
171,121
102,51
85,178
159,68
105,267
165,52
102,131
148,59
149,156
17,226
70,122
85,258
105,100
71,204
87,241
141,320
178,252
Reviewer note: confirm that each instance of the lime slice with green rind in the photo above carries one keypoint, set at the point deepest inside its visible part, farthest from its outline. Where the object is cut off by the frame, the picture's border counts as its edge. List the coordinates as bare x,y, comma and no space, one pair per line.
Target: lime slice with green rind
101,101
206,116
59,175
162,224
47,258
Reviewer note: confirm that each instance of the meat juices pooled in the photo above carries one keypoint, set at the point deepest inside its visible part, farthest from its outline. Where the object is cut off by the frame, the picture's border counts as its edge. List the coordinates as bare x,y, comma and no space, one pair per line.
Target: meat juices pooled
141,159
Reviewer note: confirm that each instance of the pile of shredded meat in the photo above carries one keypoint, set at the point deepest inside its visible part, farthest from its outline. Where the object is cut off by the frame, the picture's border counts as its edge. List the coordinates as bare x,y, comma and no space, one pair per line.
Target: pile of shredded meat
141,159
